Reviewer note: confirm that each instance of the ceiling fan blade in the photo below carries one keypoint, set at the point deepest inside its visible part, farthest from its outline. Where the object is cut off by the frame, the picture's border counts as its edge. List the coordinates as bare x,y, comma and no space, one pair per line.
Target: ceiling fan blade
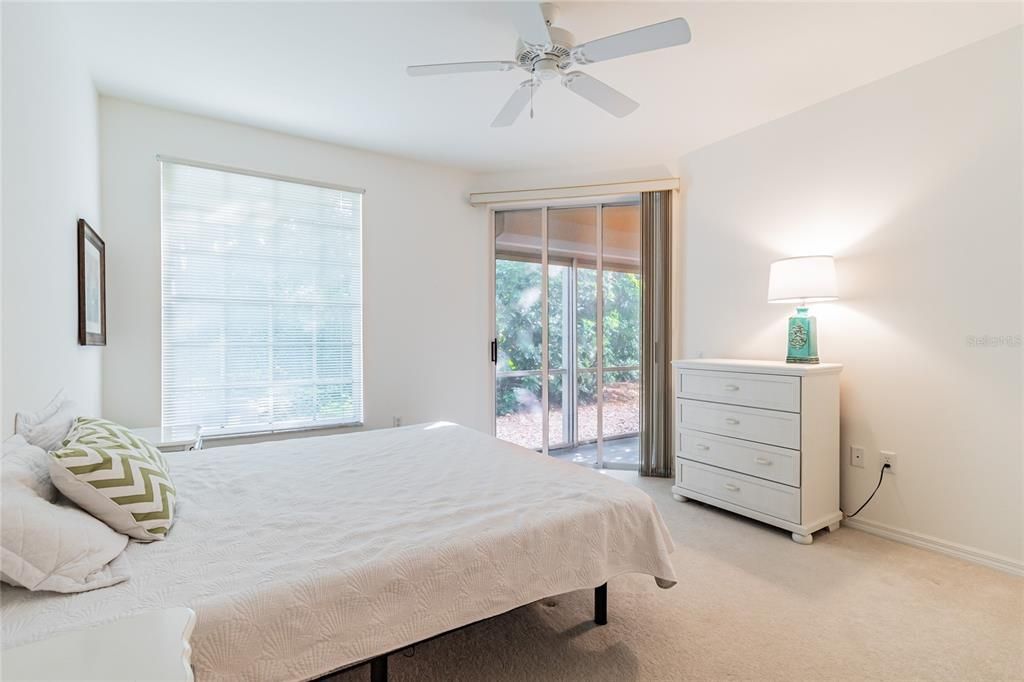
531,23
654,37
601,94
458,67
514,106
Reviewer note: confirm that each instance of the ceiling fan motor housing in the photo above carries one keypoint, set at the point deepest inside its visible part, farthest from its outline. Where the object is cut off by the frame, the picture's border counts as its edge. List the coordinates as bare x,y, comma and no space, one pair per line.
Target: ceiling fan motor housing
555,55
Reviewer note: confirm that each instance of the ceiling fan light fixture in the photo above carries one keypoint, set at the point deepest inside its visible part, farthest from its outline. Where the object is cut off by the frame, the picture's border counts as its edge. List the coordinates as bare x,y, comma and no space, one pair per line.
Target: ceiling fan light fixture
546,69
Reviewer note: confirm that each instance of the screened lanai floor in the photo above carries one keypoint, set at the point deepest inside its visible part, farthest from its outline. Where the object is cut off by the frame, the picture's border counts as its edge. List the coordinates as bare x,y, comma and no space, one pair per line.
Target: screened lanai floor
619,453
621,416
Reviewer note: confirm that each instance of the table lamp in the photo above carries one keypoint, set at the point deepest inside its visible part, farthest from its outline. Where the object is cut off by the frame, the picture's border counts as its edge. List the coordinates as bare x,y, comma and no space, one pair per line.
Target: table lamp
802,280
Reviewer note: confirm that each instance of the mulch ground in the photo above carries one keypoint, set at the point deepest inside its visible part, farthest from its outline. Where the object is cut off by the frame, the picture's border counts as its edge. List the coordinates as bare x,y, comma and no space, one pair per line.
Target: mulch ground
621,415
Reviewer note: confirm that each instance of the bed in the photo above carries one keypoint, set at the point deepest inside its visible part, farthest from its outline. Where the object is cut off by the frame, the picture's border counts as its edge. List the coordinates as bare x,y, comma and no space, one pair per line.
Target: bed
309,555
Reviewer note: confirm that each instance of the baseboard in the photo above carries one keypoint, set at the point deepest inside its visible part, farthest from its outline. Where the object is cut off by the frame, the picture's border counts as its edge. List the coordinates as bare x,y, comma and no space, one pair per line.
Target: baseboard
976,556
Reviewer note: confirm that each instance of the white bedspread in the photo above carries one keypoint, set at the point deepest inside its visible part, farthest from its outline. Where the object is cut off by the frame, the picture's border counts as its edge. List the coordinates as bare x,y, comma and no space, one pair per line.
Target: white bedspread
306,555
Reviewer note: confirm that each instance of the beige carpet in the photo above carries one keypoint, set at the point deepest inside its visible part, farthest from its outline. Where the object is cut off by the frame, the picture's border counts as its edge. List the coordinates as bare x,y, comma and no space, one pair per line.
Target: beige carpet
751,604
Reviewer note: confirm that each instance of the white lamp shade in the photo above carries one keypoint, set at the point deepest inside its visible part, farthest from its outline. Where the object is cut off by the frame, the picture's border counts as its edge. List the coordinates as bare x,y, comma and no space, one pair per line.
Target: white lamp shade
805,278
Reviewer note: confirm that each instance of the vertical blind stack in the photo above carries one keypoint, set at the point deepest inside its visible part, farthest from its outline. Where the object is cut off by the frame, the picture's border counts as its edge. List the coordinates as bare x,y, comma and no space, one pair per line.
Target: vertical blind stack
262,302
656,395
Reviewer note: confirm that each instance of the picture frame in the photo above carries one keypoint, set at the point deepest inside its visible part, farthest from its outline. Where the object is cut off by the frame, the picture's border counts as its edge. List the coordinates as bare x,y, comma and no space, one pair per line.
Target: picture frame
92,287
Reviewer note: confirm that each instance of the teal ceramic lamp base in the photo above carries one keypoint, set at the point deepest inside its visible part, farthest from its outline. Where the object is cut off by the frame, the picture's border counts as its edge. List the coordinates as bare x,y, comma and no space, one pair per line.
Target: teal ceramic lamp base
803,338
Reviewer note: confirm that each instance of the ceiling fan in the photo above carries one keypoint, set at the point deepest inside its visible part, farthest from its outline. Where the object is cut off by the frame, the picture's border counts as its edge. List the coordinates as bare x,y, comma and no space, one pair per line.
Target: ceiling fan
547,52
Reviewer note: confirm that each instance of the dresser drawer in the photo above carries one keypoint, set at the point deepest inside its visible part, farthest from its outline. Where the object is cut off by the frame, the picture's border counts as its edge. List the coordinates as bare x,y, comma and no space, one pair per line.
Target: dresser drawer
768,391
774,499
748,423
756,459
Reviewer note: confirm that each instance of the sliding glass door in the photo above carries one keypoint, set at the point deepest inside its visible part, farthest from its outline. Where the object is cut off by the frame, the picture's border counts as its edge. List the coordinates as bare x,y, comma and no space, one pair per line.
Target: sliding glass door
567,326
621,325
518,303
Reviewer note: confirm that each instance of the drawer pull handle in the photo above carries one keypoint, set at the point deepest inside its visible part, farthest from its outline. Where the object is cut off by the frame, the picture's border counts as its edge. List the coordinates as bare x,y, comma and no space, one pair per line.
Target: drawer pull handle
731,487
762,460
701,446
732,420
731,387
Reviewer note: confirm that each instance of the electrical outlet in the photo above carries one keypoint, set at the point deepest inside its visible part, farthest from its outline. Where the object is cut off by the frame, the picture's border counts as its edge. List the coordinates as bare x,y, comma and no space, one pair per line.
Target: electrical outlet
856,456
890,459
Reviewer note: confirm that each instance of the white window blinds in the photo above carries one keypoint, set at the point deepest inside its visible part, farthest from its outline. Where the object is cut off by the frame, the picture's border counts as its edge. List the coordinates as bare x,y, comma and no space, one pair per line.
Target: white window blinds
262,302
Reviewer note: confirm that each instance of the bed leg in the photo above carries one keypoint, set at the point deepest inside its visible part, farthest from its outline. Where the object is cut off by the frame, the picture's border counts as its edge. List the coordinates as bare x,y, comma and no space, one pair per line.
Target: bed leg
379,669
601,605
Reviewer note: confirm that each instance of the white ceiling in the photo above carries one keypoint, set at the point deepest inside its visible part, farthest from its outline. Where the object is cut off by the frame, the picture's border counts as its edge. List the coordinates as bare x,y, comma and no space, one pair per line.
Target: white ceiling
335,71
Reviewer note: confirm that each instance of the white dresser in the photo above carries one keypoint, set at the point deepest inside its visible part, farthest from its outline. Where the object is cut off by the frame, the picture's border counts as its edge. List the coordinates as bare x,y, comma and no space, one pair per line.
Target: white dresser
760,438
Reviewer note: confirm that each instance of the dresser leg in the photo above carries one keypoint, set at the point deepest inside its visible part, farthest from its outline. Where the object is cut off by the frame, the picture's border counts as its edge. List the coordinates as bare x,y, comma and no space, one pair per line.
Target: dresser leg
803,539
678,498
833,527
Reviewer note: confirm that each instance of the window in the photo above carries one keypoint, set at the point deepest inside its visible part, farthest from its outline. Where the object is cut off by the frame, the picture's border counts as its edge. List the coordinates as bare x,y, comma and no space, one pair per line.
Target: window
262,302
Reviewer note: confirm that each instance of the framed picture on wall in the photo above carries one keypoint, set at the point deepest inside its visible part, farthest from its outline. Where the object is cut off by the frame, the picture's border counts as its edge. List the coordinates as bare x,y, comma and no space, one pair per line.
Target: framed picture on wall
92,287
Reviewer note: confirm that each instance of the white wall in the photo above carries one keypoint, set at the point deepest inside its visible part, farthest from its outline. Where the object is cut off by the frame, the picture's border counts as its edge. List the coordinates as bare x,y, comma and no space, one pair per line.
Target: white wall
425,263
51,178
914,183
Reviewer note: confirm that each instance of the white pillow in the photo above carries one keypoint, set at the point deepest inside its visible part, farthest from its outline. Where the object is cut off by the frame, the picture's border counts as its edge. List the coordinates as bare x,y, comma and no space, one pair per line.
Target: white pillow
48,427
29,465
47,546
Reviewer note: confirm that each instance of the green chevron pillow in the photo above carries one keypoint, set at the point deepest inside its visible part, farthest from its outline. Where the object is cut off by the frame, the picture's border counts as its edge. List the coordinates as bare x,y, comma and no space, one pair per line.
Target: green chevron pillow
117,476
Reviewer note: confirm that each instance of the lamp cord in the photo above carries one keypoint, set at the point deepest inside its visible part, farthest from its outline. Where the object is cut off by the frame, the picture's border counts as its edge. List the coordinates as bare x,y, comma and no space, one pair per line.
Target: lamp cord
881,475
